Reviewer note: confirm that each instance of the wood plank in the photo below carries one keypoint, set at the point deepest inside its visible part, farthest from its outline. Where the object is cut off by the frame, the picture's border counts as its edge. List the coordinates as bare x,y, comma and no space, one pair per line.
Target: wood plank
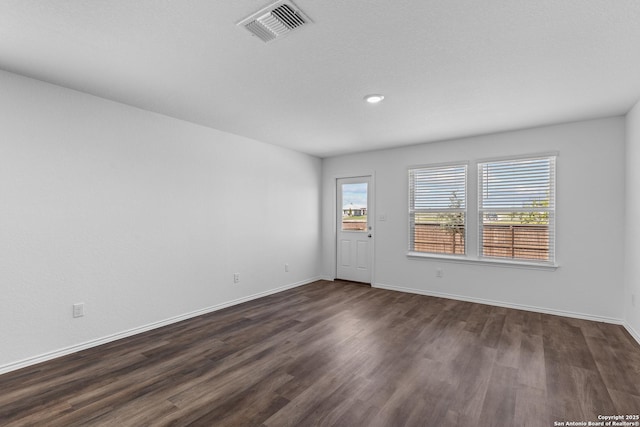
531,366
531,408
499,405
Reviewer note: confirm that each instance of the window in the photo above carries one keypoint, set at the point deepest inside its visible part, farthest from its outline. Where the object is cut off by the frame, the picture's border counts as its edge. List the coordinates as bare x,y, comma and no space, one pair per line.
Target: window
354,206
516,207
437,209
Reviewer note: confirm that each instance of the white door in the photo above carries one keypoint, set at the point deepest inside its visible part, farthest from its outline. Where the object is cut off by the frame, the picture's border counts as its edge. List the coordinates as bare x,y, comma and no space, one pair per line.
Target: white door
354,230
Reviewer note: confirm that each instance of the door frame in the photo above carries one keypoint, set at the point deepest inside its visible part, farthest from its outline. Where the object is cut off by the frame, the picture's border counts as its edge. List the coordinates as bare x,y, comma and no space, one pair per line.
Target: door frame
371,222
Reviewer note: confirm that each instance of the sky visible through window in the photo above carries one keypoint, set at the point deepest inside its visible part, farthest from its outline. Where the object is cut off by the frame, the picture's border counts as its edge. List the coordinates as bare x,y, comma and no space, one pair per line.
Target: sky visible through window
435,188
505,185
516,184
354,195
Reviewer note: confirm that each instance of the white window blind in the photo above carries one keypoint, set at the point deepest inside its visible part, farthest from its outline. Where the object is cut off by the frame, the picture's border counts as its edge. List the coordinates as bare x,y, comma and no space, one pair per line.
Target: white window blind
516,206
437,209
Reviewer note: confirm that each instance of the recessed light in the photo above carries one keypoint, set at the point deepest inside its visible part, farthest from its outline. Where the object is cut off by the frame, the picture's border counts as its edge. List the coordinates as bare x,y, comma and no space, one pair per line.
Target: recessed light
374,98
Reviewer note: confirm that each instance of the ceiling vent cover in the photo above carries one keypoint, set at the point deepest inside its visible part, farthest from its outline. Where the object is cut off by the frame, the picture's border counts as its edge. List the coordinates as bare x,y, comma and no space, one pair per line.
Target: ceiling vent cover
275,21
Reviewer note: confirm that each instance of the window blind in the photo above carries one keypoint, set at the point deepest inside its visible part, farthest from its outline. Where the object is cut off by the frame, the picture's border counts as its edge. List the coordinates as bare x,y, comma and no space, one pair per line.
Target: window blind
437,209
516,207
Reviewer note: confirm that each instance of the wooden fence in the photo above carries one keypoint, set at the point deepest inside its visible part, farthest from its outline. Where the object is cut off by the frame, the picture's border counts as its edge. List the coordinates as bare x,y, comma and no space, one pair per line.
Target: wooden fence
506,241
516,241
354,225
436,239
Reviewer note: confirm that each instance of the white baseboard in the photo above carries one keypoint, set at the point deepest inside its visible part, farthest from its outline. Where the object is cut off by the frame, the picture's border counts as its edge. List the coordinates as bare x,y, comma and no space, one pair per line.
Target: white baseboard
502,304
124,334
632,332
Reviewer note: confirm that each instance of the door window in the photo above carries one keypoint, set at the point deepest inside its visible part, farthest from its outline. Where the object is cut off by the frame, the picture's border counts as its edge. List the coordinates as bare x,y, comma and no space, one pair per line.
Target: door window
354,207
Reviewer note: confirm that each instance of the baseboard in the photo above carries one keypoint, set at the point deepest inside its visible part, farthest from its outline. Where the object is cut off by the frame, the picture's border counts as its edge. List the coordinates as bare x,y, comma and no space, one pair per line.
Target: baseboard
632,332
502,304
124,334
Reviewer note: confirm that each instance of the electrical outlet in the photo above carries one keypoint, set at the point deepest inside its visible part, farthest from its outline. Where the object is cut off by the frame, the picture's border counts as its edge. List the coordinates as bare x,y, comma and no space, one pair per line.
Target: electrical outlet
236,277
439,272
286,268
78,309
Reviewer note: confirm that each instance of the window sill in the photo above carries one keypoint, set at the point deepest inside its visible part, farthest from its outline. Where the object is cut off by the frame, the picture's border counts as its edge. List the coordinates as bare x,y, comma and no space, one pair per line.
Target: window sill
493,262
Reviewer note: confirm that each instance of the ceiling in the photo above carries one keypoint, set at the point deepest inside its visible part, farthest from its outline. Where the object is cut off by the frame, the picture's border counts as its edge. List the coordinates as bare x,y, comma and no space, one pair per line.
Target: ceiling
448,68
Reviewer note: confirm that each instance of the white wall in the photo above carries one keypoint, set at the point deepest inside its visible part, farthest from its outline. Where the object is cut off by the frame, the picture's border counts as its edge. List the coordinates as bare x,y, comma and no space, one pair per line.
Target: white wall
140,216
632,228
590,214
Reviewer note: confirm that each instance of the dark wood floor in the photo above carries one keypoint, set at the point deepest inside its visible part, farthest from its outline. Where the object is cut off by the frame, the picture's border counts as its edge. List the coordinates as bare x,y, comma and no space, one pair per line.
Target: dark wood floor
340,354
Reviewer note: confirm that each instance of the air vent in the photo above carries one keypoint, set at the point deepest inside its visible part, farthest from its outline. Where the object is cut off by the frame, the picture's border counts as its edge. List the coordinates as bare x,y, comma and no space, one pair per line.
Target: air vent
275,21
